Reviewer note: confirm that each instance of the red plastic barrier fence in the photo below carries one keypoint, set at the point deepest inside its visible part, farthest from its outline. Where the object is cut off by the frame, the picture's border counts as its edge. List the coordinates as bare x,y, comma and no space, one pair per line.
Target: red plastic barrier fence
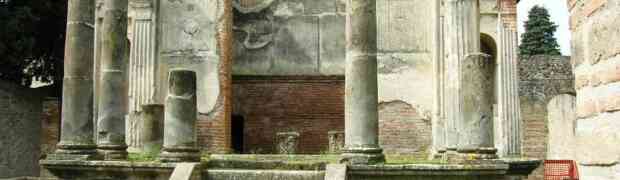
561,170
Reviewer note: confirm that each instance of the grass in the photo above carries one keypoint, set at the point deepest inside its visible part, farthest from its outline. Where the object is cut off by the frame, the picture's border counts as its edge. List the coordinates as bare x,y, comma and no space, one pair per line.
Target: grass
141,157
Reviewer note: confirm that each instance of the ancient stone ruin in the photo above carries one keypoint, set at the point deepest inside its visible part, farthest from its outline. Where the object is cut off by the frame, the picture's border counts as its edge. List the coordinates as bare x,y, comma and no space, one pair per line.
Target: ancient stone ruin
183,54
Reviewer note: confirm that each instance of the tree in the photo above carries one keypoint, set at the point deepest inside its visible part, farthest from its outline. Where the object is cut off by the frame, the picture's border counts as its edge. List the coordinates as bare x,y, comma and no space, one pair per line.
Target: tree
538,37
32,41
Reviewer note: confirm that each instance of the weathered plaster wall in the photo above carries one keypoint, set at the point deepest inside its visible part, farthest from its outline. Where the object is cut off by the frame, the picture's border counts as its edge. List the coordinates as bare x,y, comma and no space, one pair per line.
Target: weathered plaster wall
20,127
596,61
541,79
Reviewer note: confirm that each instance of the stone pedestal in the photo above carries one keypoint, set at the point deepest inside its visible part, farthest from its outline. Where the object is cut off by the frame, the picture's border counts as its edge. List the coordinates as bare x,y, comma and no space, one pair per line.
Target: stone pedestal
152,129
145,129
336,141
361,113
287,142
76,138
113,95
180,118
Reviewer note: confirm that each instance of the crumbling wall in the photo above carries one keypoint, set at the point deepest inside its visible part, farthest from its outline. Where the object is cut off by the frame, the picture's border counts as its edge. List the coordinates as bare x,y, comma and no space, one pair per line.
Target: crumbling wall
596,60
541,79
20,127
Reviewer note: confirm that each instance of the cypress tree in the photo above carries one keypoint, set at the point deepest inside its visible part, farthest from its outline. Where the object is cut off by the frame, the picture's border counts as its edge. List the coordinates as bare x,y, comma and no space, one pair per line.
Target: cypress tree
538,37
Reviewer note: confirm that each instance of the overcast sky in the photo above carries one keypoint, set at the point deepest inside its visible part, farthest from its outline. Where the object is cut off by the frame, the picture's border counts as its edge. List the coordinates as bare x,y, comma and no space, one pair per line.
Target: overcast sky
559,15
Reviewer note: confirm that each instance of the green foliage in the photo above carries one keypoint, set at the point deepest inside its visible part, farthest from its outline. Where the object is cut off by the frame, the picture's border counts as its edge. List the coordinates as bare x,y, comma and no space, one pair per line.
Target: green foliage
32,40
538,37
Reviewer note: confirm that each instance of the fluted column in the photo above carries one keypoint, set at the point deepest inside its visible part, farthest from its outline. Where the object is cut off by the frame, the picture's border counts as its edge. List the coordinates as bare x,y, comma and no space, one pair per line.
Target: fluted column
438,67
515,112
143,81
113,97
361,94
76,138
180,143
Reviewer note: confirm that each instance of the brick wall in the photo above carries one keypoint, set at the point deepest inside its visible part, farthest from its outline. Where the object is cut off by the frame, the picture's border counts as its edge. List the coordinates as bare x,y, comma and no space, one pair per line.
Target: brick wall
311,106
509,13
595,26
404,130
541,79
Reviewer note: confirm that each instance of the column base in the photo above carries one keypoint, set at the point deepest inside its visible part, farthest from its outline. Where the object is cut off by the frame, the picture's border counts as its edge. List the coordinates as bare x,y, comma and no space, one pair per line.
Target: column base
180,155
477,154
112,152
362,156
83,152
439,154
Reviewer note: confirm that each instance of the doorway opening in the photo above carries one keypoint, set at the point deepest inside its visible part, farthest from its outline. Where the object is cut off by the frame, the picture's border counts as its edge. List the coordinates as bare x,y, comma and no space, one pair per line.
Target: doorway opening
237,128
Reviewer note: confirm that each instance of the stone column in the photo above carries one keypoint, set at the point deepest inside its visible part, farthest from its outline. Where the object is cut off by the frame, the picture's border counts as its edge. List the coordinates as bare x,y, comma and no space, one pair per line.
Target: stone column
474,115
113,96
515,131
361,99
180,142
438,132
76,138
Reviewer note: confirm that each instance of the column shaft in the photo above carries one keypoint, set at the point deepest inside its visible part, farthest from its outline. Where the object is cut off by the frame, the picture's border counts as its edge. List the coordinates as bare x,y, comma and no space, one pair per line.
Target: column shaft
516,111
113,94
437,123
361,99
473,113
76,138
181,112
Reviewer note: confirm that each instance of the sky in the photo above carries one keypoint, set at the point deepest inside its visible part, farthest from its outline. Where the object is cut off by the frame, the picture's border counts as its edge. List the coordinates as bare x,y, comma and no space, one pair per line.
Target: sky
559,14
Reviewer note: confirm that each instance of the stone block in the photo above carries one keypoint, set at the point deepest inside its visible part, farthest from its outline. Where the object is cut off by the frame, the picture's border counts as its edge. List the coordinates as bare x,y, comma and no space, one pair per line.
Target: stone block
399,28
609,70
336,172
608,97
592,6
186,171
296,46
332,45
577,48
582,76
562,120
586,103
287,142
336,141
600,34
597,140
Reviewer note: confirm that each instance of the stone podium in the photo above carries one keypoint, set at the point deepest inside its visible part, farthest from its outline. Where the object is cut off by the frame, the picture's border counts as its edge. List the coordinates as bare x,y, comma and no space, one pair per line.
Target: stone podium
180,144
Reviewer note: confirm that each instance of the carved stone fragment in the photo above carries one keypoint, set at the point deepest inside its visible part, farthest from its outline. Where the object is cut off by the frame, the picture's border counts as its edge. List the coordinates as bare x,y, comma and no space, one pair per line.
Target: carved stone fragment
287,142
336,141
